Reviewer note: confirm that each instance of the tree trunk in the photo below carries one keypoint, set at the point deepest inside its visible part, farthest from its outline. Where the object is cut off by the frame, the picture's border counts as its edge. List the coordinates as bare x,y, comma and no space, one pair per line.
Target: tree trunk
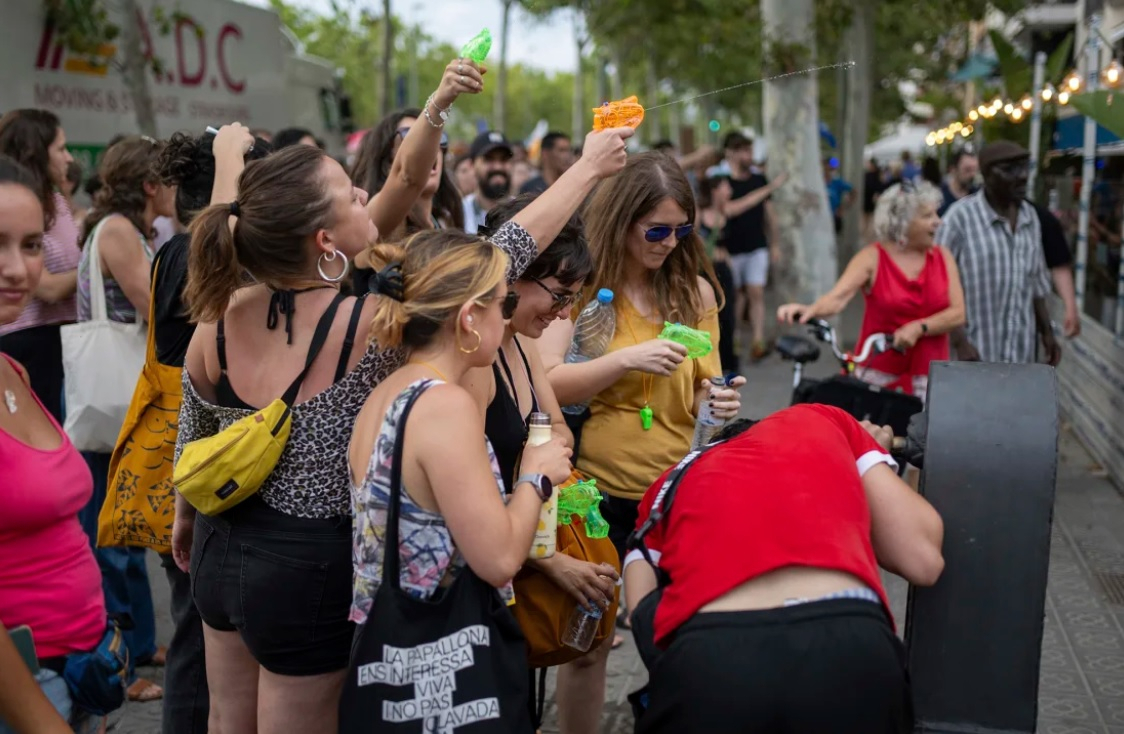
804,223
600,79
134,69
499,111
578,118
385,90
653,129
616,81
856,128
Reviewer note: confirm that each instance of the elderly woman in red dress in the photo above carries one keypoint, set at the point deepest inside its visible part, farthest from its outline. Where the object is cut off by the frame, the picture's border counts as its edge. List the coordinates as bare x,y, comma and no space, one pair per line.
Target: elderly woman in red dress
911,285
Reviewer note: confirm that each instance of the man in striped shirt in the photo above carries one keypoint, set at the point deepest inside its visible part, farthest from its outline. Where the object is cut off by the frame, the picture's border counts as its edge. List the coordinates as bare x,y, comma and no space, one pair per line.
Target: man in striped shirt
996,239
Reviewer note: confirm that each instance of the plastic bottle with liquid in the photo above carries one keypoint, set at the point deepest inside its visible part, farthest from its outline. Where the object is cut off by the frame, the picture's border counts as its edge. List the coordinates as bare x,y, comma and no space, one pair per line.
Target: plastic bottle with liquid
582,627
706,424
593,331
546,534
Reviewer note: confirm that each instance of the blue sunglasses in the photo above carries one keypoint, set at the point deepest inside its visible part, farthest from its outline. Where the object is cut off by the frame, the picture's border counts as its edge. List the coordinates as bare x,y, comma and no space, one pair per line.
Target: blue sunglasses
444,137
661,232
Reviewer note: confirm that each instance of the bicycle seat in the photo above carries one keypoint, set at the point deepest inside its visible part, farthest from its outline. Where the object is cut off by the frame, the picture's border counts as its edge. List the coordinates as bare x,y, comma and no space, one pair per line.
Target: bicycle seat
797,349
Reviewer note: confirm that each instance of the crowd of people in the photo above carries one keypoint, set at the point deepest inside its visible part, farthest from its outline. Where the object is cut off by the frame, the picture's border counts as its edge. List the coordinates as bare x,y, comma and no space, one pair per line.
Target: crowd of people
398,326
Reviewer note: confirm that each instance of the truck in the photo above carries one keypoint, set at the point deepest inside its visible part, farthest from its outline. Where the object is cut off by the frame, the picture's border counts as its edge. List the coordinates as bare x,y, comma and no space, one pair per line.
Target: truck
221,61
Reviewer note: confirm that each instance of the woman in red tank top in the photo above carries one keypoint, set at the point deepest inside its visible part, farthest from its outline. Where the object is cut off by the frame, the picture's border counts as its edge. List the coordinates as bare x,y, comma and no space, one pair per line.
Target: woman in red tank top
911,285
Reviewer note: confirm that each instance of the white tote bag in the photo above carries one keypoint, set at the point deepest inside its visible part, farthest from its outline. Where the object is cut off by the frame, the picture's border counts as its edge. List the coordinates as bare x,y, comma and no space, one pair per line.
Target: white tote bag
101,360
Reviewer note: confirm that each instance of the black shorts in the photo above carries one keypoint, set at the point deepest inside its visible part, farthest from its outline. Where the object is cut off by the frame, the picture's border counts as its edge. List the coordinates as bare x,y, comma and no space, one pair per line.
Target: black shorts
282,582
621,514
829,667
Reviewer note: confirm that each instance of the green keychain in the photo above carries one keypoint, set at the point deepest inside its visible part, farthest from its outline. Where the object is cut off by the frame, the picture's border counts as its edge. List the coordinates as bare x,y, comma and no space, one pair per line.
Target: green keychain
646,418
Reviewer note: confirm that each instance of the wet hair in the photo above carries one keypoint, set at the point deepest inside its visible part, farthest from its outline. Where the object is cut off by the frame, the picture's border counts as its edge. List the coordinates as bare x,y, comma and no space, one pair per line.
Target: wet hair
897,206
442,269
124,170
291,136
282,202
567,258
188,163
25,137
620,202
372,167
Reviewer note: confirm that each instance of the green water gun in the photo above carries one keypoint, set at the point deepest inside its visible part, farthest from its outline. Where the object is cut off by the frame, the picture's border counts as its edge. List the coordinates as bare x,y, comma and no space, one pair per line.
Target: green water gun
697,342
477,49
582,499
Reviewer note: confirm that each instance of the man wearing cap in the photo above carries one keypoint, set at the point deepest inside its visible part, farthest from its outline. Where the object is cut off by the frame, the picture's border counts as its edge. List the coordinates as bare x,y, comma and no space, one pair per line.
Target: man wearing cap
491,160
996,239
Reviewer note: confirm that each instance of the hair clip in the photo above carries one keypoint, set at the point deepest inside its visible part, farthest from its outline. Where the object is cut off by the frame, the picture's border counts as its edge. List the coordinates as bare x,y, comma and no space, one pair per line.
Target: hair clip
388,282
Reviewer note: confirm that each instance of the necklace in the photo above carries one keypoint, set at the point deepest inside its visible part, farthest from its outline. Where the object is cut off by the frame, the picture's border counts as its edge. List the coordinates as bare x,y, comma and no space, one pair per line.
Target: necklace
10,401
427,364
646,382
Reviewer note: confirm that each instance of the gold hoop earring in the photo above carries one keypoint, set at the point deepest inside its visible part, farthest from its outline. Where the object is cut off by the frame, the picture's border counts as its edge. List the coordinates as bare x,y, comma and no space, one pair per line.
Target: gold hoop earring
469,351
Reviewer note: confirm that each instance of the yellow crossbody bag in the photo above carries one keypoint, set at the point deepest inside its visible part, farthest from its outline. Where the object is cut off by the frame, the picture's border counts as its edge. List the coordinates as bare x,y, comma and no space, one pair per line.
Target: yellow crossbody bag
216,473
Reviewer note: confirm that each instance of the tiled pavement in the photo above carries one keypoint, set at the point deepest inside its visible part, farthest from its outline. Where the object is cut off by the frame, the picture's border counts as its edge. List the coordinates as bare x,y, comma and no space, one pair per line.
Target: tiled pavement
1082,681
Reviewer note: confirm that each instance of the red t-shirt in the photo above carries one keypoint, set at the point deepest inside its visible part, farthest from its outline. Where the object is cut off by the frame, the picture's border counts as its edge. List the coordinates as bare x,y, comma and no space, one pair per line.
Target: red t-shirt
787,492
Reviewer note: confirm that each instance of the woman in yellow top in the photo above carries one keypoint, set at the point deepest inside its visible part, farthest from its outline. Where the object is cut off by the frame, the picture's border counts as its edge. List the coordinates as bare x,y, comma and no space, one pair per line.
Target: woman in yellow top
645,250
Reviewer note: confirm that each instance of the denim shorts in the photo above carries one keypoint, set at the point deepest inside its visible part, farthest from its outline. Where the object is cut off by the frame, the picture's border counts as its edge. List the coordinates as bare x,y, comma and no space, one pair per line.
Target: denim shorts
54,688
282,582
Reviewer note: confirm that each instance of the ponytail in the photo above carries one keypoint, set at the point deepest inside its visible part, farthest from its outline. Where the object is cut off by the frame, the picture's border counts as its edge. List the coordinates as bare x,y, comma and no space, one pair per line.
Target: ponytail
388,324
213,270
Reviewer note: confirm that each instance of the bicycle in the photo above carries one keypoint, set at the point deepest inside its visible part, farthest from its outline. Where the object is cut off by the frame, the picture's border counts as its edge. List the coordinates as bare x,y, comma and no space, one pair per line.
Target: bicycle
863,400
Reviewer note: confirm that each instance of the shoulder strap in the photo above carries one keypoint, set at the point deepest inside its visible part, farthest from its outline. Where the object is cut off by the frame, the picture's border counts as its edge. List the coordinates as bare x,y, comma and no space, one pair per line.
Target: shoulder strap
349,339
530,378
391,563
318,339
220,343
661,507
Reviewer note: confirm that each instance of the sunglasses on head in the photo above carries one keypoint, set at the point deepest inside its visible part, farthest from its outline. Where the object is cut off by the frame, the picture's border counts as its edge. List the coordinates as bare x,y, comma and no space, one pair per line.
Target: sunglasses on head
562,300
661,232
444,137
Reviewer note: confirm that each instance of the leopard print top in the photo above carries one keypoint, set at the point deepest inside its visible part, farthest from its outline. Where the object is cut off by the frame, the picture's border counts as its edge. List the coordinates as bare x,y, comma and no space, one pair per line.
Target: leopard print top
312,478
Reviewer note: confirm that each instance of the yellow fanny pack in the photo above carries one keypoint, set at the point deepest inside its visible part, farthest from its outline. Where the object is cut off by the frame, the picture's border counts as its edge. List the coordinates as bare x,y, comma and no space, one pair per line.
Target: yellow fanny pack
216,473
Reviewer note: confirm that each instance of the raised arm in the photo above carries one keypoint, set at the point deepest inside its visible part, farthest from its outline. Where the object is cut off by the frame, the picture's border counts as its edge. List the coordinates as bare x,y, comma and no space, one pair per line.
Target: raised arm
603,155
415,158
231,144
739,206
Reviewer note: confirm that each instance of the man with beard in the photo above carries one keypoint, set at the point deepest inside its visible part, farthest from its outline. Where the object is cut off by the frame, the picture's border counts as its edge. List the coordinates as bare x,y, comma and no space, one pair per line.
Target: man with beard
996,239
961,181
491,159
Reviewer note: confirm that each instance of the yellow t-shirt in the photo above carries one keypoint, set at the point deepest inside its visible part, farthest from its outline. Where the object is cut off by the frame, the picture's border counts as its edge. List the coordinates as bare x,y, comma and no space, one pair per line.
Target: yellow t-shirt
615,449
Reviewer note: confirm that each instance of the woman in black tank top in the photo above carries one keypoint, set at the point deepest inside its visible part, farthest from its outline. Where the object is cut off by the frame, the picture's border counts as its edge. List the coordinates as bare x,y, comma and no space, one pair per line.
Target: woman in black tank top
517,386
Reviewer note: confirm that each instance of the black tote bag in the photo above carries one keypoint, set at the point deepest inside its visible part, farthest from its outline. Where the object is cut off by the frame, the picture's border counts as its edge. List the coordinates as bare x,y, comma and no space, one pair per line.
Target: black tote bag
454,664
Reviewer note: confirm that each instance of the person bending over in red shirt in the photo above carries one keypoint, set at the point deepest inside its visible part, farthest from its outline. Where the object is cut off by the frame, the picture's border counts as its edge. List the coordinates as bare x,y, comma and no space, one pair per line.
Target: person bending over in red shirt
772,616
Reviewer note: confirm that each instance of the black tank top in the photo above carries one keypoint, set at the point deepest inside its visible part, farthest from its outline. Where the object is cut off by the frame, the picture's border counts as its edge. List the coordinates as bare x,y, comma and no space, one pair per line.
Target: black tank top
504,425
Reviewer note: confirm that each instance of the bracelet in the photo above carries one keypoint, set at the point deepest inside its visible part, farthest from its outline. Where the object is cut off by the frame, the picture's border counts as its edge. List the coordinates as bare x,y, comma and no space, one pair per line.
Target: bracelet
442,113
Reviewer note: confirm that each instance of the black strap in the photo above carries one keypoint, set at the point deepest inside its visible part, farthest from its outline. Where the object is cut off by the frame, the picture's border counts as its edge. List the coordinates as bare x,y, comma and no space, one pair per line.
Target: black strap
540,698
530,379
220,343
511,380
349,339
318,338
390,560
284,303
661,507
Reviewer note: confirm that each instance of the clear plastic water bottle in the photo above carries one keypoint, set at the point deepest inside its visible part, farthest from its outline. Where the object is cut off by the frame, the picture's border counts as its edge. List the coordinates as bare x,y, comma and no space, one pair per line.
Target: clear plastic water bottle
706,424
582,628
592,333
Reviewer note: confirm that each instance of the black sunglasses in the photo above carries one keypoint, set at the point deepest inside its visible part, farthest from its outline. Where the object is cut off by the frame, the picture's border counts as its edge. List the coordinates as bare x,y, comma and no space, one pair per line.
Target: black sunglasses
661,232
444,137
561,300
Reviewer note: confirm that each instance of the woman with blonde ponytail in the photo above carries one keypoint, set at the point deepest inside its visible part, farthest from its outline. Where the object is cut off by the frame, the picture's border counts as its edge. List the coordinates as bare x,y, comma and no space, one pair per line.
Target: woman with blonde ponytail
264,269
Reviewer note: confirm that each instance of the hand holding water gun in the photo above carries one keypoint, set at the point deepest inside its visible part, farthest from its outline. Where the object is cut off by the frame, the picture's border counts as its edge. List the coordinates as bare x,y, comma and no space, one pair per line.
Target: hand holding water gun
627,112
582,499
697,342
478,47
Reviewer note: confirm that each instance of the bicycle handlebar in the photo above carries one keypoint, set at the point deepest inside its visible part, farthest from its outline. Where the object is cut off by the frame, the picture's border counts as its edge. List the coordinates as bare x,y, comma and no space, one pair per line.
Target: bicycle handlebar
874,344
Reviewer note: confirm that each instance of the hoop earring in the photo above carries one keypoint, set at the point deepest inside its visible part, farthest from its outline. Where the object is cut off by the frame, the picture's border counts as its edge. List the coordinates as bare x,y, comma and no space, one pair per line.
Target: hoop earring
324,257
468,351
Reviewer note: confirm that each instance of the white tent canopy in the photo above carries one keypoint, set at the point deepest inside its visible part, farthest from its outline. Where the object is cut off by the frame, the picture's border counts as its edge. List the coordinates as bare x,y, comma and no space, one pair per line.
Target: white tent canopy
909,138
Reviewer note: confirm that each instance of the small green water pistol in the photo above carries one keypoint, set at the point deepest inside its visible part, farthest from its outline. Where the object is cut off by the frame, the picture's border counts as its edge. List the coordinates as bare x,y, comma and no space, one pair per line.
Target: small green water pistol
477,49
582,499
697,342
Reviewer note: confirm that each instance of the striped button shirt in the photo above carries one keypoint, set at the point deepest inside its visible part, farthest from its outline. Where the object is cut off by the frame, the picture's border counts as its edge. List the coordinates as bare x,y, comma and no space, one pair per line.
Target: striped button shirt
1003,271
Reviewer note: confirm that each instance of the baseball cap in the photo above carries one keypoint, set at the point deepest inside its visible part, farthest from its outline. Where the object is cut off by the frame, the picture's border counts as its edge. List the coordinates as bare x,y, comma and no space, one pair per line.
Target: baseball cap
487,142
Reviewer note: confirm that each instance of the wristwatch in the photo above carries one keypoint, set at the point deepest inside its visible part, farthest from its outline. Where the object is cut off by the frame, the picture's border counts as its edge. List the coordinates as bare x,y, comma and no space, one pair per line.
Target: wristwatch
924,328
544,488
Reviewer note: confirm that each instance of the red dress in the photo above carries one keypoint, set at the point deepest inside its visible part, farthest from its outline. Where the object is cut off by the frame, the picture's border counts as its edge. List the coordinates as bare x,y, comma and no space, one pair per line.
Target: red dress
894,301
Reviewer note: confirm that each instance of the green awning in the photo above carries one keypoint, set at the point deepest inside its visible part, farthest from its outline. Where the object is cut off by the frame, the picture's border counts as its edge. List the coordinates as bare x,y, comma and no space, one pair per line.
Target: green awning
976,67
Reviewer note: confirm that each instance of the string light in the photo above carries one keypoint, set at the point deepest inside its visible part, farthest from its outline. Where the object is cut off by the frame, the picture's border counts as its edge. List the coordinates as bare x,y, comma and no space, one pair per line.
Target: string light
931,139
1008,108
1017,114
1026,103
1063,97
1073,82
973,115
965,132
1112,74
1048,92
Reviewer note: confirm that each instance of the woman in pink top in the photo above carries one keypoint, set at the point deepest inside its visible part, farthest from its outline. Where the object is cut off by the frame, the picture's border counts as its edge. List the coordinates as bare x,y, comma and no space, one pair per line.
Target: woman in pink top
49,580
35,139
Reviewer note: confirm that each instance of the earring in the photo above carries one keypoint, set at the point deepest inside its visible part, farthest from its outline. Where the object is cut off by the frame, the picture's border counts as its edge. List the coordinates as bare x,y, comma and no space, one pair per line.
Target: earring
468,351
470,319
331,257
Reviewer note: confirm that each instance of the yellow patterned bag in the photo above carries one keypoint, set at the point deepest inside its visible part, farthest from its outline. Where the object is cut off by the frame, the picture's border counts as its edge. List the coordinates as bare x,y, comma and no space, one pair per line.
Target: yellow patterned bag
139,504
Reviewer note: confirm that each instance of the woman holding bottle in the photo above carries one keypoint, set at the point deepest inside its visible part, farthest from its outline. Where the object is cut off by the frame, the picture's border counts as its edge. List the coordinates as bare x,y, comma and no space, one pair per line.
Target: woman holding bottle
645,392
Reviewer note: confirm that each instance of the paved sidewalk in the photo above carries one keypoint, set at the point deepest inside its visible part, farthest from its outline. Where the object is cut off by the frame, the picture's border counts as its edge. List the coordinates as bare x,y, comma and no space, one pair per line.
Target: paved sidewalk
1082,682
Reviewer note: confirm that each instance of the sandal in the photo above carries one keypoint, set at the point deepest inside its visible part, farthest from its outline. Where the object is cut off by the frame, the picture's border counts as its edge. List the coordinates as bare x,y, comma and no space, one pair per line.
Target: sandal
143,690
158,659
617,642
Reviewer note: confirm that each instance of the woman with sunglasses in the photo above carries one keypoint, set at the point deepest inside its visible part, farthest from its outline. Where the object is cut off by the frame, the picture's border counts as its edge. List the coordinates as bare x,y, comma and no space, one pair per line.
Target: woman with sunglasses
508,391
645,392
